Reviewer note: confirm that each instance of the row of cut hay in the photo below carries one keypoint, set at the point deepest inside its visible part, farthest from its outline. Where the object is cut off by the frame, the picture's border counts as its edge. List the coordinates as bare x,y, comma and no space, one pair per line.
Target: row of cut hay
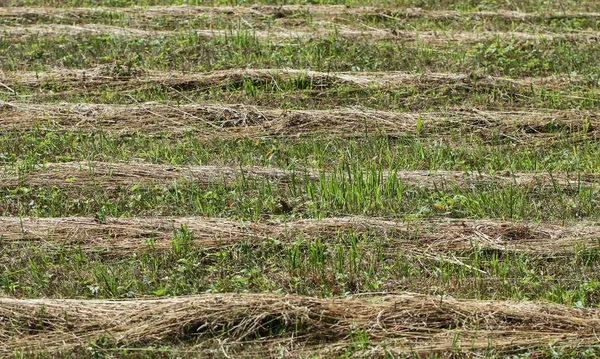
326,30
112,174
405,321
241,121
126,235
123,78
282,11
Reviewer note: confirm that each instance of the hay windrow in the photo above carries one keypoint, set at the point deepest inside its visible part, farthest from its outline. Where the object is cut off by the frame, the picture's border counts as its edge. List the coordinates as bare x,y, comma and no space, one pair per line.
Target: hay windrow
240,121
327,29
409,319
110,175
288,22
117,236
123,78
280,11
113,174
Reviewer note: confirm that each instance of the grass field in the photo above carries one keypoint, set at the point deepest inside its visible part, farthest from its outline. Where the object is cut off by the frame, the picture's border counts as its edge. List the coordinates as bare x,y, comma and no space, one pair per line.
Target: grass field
328,179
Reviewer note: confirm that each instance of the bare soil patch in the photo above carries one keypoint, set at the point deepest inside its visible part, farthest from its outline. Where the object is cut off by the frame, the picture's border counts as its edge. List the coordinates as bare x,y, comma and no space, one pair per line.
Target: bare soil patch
116,236
406,321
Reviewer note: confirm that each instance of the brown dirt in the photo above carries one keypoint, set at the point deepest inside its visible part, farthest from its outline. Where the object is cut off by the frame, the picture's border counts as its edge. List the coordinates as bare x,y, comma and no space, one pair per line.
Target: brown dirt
241,121
403,322
117,236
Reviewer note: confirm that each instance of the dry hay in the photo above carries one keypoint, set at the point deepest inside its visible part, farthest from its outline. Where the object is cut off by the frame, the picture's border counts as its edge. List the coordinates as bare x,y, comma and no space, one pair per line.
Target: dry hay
406,321
113,174
126,80
282,11
534,181
121,78
207,34
125,235
110,175
325,29
210,121
14,32
325,19
20,31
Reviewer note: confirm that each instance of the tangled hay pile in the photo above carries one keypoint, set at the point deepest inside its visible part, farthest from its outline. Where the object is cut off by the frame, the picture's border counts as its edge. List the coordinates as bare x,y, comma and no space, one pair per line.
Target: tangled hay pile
407,320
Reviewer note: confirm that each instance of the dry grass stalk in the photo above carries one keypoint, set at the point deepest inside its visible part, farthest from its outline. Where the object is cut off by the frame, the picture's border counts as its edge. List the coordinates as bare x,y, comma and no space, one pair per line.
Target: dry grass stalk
125,235
240,121
409,320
